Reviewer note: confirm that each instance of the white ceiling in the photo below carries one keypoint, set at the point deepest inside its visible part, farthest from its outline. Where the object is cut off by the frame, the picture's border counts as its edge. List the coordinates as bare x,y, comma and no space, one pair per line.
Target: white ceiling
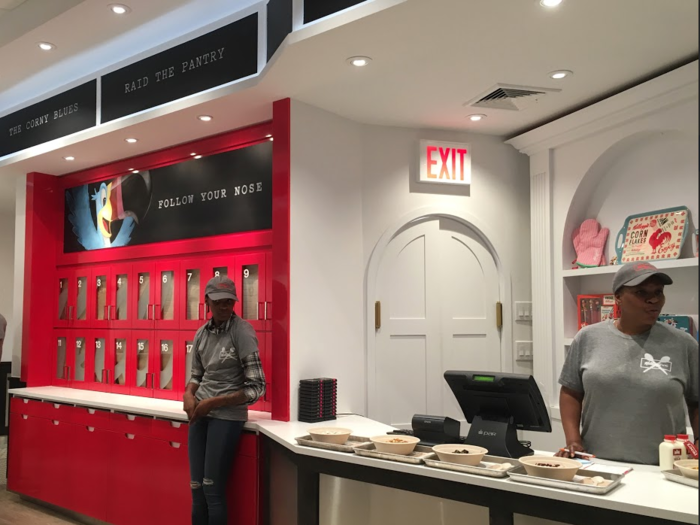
429,58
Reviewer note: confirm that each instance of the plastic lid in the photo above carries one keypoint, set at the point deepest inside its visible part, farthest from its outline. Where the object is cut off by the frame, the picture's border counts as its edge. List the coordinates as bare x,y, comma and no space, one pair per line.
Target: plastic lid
669,438
682,436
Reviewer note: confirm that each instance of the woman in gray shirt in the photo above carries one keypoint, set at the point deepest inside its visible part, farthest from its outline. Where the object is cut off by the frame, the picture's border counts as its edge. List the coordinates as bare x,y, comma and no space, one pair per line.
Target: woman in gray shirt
624,383
227,376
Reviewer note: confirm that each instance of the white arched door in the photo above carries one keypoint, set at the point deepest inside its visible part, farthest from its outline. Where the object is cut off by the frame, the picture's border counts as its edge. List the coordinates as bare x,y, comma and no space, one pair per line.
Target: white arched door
438,287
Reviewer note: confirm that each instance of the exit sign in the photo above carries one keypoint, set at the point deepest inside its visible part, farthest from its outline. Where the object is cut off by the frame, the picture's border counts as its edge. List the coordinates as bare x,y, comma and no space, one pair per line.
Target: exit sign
445,163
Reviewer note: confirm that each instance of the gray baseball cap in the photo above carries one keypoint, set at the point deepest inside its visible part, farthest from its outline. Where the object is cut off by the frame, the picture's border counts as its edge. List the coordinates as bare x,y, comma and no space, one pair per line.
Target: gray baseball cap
632,274
221,288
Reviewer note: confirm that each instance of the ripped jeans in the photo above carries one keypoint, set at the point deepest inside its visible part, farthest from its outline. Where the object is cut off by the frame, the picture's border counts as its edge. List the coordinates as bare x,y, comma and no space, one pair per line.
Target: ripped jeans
212,446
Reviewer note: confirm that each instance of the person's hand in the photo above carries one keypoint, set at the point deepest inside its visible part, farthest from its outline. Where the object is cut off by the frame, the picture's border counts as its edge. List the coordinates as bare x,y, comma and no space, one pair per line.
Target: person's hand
189,405
202,409
571,448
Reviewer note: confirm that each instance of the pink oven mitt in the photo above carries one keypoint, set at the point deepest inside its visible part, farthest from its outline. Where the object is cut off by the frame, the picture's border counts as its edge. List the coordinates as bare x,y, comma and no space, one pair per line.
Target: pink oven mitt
589,242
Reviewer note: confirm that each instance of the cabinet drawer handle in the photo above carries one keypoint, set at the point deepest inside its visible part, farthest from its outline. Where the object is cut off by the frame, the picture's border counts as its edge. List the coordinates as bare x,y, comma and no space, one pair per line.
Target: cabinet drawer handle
24,416
91,429
25,401
130,417
130,436
55,422
174,445
175,424
91,411
56,406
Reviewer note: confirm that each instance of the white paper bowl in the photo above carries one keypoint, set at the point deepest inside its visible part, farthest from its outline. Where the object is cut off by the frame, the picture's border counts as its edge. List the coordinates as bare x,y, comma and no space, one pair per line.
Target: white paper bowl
447,453
688,467
403,445
565,470
335,435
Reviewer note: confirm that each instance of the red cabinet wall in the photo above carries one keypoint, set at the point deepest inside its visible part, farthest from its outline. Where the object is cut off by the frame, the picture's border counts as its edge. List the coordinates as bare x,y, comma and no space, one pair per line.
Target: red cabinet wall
122,469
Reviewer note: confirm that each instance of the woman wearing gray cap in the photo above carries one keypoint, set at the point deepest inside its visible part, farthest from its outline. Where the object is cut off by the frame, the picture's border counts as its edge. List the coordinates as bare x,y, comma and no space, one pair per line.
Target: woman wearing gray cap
625,382
227,376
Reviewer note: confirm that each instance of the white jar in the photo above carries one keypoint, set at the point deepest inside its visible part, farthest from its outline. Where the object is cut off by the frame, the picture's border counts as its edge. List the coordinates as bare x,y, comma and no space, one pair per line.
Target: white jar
670,451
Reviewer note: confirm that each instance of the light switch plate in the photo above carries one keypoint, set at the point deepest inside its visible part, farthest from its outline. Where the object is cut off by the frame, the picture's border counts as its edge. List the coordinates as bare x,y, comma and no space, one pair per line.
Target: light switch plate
523,350
523,310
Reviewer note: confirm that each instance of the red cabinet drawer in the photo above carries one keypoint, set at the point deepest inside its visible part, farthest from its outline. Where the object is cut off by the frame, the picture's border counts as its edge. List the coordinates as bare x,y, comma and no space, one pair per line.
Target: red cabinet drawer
90,417
173,431
130,424
27,407
248,445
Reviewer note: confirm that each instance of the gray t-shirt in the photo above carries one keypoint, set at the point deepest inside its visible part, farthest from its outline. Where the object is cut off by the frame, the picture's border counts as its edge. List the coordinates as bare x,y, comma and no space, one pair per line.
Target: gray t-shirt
635,388
218,368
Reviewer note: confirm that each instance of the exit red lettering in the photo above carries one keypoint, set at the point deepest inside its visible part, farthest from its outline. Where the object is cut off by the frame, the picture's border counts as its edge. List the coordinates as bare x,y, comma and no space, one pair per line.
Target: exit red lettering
448,159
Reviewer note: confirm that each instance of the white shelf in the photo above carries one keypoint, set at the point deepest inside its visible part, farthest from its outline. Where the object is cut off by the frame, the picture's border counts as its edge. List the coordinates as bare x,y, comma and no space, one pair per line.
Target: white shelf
691,262
568,341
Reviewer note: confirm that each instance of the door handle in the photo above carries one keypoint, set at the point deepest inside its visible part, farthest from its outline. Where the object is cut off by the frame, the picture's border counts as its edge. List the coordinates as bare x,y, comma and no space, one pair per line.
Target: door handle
68,369
104,376
70,311
260,314
105,313
149,316
109,312
268,311
201,311
107,371
156,312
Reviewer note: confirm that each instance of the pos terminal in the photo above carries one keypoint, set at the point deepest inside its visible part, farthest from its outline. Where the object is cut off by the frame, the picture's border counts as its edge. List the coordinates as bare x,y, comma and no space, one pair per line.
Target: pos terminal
497,404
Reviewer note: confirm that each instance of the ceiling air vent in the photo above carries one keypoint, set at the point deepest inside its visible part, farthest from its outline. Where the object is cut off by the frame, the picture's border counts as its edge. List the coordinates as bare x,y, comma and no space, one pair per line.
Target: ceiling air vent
503,96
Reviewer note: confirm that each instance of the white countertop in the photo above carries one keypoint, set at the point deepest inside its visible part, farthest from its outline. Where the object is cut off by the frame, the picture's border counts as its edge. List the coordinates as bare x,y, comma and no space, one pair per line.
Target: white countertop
644,490
143,406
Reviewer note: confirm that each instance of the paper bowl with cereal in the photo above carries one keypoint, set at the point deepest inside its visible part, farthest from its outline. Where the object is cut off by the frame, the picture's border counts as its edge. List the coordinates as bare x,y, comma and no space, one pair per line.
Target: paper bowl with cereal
461,454
562,469
395,444
335,435
688,467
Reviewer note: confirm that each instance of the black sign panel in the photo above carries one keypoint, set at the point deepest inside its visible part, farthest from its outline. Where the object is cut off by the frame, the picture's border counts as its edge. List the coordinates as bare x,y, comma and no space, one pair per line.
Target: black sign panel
224,55
315,9
279,24
69,112
226,193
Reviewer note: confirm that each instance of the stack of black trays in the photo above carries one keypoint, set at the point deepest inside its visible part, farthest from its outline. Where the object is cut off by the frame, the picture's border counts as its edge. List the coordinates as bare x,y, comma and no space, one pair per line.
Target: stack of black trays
317,399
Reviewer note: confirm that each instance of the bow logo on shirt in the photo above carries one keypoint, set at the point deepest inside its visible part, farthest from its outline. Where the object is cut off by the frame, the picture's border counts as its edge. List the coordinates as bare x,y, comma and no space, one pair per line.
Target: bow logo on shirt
663,364
227,354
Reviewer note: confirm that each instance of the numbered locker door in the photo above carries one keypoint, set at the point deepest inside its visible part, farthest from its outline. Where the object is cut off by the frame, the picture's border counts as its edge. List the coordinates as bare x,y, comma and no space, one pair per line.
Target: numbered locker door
143,292
120,309
82,300
62,341
167,365
140,363
78,349
97,366
167,298
192,292
100,288
187,345
222,266
63,306
118,376
250,286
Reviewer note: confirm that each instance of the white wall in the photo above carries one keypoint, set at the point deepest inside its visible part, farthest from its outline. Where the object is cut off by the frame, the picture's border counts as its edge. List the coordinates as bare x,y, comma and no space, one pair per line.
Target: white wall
326,306
349,183
14,342
7,264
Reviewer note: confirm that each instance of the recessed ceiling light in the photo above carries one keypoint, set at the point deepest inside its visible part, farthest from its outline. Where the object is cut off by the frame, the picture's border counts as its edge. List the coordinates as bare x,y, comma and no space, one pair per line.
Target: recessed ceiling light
135,171
561,73
119,9
192,154
46,46
131,169
197,157
359,61
476,118
268,136
550,3
205,118
131,140
69,158
271,139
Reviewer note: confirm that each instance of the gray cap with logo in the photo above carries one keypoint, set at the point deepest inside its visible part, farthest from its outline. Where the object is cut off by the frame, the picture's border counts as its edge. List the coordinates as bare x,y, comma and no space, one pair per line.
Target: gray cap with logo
221,288
632,274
